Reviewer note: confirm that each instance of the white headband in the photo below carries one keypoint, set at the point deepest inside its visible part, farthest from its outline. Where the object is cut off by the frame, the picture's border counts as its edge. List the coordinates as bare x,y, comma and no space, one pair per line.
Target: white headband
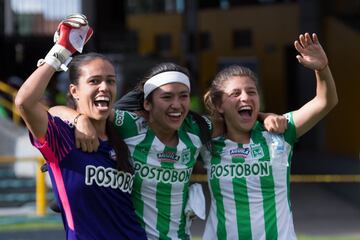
165,78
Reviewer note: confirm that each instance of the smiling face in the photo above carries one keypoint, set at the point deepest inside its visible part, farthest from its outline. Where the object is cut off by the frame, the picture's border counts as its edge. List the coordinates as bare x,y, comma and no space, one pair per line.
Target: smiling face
240,104
168,107
96,89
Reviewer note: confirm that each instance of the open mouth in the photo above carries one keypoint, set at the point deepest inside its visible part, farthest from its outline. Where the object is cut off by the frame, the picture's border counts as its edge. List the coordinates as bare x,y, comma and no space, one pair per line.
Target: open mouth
102,103
174,116
245,111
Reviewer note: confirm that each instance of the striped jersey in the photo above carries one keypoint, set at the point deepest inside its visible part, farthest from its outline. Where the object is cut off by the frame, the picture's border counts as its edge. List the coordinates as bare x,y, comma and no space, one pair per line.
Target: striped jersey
249,185
93,196
162,174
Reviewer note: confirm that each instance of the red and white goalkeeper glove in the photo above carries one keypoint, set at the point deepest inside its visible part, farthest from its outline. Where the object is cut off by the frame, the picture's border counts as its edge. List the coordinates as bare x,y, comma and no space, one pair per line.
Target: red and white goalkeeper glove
72,34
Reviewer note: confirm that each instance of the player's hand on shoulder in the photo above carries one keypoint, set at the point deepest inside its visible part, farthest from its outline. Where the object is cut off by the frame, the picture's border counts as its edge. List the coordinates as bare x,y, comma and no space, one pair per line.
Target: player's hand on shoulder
85,135
275,123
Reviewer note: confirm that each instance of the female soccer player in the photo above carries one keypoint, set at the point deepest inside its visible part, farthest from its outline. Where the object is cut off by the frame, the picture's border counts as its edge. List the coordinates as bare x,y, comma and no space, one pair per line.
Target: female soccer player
93,190
164,141
249,168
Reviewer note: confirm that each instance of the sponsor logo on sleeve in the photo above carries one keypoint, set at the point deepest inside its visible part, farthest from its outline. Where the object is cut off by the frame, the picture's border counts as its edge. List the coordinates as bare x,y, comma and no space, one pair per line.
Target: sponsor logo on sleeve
119,117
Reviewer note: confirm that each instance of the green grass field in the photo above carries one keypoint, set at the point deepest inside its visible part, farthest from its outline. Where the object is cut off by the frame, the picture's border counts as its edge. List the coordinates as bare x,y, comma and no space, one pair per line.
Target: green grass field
301,237
54,222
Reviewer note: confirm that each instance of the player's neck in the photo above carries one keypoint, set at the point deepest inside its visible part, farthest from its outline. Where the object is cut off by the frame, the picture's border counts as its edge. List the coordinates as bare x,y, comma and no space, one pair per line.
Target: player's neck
100,127
238,137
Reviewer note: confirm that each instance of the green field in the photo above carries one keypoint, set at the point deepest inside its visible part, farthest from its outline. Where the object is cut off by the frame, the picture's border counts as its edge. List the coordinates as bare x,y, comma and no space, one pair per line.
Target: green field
23,223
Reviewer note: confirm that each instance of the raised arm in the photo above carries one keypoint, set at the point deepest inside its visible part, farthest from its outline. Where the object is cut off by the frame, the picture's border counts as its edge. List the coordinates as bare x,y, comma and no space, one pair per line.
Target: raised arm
312,56
29,95
28,100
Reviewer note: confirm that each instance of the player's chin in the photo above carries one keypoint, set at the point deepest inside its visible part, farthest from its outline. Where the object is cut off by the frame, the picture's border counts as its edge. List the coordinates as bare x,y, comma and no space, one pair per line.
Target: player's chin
101,116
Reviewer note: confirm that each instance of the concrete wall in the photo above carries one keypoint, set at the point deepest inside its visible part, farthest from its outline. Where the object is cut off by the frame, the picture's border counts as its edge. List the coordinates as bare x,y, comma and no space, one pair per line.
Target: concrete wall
8,136
14,141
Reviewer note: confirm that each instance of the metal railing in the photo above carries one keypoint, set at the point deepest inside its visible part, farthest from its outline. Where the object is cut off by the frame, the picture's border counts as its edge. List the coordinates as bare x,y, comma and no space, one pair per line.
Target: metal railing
41,189
9,105
304,178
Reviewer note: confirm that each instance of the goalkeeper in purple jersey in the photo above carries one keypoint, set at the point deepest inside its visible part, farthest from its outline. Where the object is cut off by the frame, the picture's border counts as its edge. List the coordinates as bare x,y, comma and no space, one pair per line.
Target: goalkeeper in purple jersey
93,190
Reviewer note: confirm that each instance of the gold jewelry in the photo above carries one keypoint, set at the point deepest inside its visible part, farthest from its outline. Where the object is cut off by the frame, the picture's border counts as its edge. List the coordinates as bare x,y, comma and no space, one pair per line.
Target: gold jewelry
76,119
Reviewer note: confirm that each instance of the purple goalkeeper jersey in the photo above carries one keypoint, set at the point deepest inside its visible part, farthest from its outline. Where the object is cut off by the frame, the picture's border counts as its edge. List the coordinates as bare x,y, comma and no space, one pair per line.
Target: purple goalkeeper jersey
94,197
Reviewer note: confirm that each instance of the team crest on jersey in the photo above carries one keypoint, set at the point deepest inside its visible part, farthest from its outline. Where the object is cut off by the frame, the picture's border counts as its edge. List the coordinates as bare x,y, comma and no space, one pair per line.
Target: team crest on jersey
168,157
185,156
112,154
240,152
257,151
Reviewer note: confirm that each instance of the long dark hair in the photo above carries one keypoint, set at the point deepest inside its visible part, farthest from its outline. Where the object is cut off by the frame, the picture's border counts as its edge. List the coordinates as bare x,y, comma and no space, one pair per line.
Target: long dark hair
134,100
120,147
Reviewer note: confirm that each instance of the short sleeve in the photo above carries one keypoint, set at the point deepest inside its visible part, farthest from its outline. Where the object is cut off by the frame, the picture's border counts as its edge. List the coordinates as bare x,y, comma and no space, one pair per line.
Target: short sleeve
129,124
290,133
58,141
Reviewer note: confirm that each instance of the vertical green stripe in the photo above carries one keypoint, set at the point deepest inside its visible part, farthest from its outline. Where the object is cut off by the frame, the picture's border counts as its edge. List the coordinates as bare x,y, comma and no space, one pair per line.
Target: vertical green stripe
163,201
288,178
163,204
140,155
241,198
184,137
268,191
290,138
215,187
181,233
269,205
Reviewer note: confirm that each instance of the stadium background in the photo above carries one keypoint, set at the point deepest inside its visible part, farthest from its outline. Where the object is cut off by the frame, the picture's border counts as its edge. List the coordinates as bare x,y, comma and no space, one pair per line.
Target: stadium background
203,35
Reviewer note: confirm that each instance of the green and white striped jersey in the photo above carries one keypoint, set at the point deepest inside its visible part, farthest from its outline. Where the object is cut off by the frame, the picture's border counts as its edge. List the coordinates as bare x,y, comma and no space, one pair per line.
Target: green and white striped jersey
249,186
162,174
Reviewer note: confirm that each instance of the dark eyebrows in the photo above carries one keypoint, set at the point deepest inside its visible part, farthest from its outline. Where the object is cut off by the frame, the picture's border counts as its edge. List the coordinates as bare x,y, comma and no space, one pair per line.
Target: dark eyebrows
184,92
100,76
173,93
